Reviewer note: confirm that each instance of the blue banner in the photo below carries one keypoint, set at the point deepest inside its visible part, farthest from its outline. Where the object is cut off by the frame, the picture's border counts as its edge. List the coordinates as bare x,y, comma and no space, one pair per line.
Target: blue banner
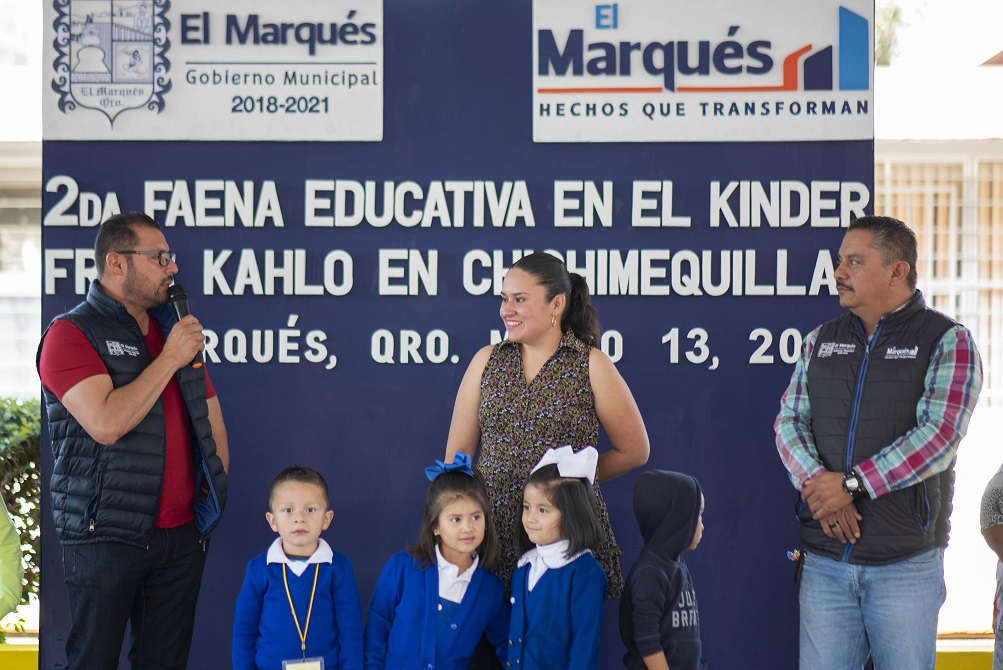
346,286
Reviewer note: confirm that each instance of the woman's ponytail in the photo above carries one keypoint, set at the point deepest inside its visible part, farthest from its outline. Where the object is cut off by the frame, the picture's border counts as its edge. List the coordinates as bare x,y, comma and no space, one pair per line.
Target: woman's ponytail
580,316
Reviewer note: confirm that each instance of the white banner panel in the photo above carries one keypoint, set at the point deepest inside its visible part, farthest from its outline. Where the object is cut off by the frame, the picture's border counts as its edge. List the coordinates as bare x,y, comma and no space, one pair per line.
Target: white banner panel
201,70
713,71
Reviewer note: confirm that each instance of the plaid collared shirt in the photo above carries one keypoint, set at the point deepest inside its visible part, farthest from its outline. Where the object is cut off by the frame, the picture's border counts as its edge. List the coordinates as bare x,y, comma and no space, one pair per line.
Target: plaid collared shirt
953,381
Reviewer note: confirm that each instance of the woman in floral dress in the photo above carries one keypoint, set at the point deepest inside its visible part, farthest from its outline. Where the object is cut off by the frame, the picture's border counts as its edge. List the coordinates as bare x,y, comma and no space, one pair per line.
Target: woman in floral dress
545,386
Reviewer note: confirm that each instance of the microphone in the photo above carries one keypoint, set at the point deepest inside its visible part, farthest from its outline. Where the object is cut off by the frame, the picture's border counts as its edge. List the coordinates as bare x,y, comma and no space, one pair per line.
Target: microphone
179,301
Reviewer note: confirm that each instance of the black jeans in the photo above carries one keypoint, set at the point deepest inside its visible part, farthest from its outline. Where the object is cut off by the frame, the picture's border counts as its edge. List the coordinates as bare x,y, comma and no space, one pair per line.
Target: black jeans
155,589
485,657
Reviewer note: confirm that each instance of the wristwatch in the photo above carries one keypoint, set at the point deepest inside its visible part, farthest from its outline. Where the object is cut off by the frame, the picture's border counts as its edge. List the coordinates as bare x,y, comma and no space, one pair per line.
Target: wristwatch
853,484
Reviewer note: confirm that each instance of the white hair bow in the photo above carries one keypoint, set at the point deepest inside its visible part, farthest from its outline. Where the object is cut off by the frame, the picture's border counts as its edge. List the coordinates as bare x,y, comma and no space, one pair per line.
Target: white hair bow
570,464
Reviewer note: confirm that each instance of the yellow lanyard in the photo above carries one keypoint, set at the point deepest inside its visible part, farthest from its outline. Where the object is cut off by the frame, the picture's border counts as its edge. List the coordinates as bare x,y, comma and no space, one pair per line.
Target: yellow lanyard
302,631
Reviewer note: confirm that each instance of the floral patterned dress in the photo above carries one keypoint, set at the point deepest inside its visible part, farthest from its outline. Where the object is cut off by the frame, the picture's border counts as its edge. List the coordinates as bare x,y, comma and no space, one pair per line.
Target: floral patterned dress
520,421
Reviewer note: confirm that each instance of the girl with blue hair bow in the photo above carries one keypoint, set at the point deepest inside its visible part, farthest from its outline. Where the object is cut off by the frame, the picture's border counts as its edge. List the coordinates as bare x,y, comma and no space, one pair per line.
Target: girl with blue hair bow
434,601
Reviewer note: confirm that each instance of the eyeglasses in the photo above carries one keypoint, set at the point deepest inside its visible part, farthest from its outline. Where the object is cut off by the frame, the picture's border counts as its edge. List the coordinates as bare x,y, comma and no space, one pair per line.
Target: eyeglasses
165,258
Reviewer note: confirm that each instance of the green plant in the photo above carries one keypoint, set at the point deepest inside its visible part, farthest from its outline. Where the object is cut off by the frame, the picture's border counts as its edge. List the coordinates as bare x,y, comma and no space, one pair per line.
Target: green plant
20,484
888,19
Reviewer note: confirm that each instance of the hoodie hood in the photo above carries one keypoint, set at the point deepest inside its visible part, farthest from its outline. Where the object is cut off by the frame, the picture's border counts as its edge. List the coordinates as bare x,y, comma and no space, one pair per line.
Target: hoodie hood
667,508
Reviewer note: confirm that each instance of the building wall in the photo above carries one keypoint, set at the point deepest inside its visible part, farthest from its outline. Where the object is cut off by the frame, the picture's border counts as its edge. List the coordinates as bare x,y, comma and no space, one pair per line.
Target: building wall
951,193
20,266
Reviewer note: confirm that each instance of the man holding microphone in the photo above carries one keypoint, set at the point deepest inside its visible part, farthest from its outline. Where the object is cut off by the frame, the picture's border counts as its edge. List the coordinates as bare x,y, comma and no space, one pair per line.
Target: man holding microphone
139,478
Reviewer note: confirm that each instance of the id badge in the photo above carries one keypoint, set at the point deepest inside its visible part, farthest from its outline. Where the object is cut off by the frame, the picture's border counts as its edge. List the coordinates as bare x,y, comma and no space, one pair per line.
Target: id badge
304,664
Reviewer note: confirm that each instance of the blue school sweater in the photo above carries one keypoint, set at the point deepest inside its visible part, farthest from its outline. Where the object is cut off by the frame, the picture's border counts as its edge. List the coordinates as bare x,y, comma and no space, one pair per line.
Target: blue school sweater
403,625
264,633
557,626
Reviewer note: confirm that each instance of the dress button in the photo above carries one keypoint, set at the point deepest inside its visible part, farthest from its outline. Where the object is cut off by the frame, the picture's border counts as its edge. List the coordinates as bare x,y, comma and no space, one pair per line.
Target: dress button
440,607
512,600
511,643
453,626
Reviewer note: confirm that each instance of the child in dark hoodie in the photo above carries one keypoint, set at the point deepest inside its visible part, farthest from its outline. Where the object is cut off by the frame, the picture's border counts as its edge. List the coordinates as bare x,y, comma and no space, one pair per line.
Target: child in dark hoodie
659,619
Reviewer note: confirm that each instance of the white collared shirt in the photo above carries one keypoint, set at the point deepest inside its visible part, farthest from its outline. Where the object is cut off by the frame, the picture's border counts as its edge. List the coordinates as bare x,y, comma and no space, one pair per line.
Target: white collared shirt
452,583
323,554
546,557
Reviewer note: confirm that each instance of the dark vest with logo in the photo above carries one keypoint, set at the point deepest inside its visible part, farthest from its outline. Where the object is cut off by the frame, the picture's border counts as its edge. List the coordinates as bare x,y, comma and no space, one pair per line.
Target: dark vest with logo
862,399
111,492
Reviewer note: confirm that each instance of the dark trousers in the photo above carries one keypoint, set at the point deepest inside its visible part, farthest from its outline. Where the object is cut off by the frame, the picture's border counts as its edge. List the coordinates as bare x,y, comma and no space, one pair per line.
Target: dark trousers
485,657
154,589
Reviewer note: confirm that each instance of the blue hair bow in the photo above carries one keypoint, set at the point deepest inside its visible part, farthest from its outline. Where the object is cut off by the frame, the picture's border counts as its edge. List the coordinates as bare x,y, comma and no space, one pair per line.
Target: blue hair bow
461,463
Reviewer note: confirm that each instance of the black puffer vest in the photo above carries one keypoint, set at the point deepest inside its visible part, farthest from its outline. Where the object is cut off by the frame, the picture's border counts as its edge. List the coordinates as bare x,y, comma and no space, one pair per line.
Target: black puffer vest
110,493
862,399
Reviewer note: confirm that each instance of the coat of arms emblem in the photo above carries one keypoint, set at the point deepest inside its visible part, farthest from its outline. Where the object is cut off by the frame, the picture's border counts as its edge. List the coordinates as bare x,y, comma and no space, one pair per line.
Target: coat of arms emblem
111,55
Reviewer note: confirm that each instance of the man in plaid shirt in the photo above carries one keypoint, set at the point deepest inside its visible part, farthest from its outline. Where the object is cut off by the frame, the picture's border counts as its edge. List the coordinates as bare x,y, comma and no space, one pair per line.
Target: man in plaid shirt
868,430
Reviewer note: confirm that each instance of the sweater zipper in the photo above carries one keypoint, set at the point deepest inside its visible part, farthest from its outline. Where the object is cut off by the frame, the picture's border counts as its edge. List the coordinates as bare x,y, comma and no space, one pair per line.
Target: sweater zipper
160,489
855,413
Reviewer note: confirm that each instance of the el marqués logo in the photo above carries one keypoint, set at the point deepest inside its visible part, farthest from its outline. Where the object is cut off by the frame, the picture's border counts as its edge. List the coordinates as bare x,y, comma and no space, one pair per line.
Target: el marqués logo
685,65
110,55
111,58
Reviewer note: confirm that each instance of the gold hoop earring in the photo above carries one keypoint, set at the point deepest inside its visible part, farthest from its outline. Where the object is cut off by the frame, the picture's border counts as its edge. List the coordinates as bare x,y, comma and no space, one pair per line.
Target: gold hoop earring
553,321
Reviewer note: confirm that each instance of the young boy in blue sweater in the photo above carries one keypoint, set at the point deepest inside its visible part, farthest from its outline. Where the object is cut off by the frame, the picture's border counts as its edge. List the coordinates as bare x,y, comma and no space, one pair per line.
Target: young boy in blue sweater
659,619
299,603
